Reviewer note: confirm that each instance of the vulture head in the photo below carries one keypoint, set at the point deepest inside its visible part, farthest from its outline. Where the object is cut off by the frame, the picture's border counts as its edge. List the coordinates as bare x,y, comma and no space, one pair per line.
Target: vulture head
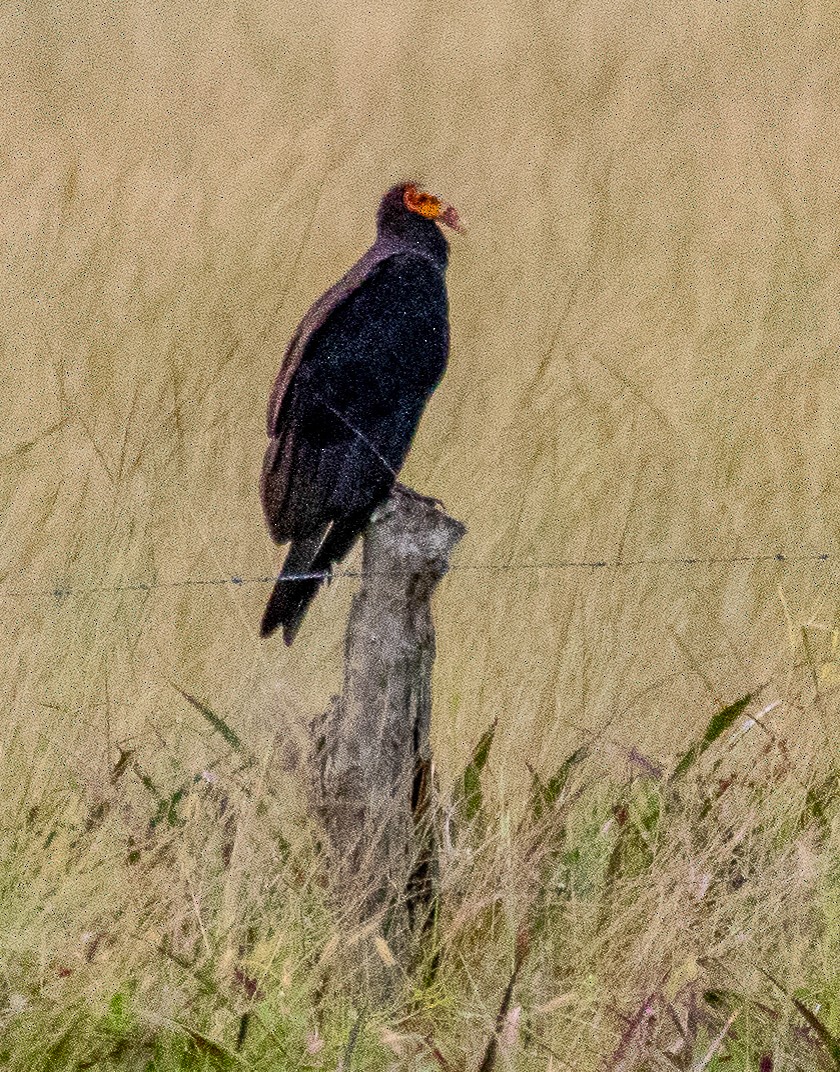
406,210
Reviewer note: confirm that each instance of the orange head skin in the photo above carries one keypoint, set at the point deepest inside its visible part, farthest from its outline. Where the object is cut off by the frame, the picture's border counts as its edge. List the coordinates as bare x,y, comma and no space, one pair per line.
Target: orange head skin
431,207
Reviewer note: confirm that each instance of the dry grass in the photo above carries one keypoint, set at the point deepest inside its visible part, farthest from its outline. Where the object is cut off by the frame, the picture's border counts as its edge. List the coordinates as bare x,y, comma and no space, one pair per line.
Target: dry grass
644,365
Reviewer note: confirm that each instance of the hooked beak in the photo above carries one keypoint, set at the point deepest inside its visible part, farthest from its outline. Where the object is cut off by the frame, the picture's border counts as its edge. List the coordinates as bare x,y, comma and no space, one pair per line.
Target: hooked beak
450,217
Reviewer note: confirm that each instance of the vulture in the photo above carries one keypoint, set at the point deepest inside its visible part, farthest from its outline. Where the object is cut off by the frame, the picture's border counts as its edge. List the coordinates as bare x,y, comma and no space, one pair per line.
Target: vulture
349,395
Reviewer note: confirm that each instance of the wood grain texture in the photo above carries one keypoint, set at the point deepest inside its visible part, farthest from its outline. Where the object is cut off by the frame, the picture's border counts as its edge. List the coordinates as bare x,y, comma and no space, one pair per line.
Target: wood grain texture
371,751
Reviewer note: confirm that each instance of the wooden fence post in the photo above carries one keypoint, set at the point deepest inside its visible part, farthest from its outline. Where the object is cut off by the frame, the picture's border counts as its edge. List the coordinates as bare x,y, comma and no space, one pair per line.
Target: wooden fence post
371,754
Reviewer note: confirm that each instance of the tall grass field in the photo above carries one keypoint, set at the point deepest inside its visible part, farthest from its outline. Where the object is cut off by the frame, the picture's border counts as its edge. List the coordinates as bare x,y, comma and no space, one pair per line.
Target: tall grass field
636,687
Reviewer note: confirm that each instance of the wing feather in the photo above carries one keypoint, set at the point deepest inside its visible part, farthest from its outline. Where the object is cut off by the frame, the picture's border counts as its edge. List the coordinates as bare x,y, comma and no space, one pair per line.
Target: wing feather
309,468
315,318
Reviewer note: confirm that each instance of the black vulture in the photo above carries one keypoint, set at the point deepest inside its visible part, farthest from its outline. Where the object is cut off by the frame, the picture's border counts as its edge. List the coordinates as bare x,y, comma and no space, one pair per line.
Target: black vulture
349,395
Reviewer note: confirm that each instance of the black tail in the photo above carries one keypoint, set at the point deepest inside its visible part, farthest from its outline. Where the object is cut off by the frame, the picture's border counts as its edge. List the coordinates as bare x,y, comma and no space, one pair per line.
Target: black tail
290,599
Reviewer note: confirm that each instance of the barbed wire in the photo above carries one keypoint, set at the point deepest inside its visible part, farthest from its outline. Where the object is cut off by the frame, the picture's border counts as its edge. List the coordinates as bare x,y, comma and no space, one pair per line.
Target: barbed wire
678,561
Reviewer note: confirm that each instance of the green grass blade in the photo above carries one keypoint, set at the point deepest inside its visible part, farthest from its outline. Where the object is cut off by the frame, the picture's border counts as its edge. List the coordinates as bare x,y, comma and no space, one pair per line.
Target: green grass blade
544,795
470,788
719,723
216,722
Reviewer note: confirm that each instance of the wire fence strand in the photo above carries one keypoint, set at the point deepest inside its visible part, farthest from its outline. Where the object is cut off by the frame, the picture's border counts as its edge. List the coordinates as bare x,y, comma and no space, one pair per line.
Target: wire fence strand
60,591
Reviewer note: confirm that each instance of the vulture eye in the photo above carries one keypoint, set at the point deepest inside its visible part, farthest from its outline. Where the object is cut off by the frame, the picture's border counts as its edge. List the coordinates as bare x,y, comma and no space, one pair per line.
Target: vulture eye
422,203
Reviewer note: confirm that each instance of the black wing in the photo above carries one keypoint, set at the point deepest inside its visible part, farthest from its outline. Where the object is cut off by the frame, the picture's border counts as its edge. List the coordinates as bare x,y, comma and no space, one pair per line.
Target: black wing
352,406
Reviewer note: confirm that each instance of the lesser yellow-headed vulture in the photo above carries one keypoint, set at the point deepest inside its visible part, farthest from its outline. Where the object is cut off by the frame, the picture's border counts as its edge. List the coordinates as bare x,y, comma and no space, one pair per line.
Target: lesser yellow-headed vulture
351,390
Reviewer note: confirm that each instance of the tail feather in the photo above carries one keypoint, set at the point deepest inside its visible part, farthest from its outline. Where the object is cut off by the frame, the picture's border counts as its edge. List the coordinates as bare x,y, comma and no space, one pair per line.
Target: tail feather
287,606
292,594
290,599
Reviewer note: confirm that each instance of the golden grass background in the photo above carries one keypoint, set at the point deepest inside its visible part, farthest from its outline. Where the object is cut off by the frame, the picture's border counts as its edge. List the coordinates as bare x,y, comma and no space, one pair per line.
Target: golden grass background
644,355
644,361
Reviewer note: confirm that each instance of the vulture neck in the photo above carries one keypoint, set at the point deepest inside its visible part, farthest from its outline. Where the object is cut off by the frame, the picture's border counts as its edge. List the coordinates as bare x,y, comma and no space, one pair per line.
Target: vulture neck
410,233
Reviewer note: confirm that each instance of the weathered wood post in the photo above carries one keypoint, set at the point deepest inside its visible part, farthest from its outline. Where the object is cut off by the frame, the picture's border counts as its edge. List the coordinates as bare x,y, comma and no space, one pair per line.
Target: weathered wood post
371,752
